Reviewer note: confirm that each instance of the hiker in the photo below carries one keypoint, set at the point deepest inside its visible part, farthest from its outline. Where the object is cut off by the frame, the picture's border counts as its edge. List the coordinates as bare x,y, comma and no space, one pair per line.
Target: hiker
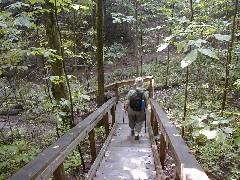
135,106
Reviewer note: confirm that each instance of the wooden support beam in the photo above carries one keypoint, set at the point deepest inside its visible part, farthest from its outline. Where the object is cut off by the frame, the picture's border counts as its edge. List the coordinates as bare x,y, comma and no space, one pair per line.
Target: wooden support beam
162,150
116,92
59,173
106,124
92,144
155,128
151,88
113,110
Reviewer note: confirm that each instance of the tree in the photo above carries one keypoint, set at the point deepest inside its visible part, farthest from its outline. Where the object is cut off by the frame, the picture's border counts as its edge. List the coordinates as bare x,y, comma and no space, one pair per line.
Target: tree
99,56
229,56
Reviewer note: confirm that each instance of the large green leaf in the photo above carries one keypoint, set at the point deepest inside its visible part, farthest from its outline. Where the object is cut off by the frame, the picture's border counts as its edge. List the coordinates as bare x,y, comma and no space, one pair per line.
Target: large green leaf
36,1
221,37
237,141
208,52
208,133
162,47
180,46
192,56
23,21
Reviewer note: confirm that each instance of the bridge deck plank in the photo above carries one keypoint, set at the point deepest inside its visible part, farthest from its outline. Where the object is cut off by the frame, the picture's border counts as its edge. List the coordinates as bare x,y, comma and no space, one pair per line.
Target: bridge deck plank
126,157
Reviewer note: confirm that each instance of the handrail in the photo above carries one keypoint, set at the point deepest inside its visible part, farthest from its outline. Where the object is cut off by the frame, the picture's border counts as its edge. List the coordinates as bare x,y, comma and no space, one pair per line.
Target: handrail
114,86
50,161
186,165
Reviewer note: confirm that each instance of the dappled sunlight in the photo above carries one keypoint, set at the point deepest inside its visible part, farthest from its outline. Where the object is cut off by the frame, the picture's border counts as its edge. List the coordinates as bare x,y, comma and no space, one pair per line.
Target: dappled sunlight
193,173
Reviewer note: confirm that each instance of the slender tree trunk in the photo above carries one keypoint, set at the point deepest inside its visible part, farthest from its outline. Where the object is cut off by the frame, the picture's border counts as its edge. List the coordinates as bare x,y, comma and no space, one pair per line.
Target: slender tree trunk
229,57
136,38
187,78
100,66
141,53
59,89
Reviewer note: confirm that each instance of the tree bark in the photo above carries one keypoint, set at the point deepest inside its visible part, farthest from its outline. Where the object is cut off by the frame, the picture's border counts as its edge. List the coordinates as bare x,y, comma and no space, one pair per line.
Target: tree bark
229,58
100,66
59,90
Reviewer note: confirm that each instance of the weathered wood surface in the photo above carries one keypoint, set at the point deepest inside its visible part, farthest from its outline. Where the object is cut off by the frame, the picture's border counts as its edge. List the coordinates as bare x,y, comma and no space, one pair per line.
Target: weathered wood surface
43,166
126,157
50,161
186,164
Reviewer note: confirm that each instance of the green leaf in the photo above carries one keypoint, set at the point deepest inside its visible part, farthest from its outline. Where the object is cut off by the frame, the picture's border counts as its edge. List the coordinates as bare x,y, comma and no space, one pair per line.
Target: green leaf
209,134
162,47
180,46
23,21
12,148
228,130
86,97
75,6
192,56
237,141
36,1
199,42
208,52
221,37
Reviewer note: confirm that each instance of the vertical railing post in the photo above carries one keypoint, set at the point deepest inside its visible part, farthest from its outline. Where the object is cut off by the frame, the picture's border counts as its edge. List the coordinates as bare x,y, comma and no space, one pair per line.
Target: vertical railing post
162,150
113,115
151,88
106,123
152,116
155,127
116,92
91,138
59,173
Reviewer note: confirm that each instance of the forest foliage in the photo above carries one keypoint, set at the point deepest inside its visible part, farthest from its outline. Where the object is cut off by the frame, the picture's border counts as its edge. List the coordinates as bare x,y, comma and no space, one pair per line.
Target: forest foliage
196,69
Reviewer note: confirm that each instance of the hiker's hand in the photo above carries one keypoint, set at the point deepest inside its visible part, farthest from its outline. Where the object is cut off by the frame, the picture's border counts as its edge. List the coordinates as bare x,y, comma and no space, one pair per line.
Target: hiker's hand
149,107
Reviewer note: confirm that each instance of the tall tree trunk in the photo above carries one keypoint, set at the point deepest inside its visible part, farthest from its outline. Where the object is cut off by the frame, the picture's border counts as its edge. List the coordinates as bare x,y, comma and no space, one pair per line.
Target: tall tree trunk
100,66
187,78
136,38
59,90
229,58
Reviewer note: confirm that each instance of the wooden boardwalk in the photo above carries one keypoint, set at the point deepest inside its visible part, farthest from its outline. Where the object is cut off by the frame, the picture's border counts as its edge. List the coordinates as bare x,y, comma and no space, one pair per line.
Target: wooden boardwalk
121,156
124,157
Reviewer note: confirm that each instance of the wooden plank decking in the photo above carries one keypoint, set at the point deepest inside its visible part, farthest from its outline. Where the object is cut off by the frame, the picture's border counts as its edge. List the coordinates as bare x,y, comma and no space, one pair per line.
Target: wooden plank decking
125,157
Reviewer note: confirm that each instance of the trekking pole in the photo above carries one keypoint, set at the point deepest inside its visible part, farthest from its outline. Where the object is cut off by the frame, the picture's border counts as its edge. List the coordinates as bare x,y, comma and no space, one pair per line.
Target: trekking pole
123,113
145,122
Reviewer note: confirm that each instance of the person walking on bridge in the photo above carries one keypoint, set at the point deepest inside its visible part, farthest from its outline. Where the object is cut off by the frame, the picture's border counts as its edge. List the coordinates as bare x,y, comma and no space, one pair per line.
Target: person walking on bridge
135,106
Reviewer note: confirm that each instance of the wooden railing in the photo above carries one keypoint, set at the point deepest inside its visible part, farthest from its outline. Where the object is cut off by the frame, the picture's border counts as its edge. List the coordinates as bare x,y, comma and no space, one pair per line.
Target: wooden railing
186,165
51,160
115,86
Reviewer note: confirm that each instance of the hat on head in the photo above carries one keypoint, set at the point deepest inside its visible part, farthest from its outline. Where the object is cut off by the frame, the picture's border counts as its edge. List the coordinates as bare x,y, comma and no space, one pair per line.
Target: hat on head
139,81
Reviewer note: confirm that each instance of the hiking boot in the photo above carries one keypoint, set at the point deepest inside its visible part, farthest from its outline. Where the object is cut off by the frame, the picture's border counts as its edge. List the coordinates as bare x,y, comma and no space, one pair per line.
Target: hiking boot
136,136
132,132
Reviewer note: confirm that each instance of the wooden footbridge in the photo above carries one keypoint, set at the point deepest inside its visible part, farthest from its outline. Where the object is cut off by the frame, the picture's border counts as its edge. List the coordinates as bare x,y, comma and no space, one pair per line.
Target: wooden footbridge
121,157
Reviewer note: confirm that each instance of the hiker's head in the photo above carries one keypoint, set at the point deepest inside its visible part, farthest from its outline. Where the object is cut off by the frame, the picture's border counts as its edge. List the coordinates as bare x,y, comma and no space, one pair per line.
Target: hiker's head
139,82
